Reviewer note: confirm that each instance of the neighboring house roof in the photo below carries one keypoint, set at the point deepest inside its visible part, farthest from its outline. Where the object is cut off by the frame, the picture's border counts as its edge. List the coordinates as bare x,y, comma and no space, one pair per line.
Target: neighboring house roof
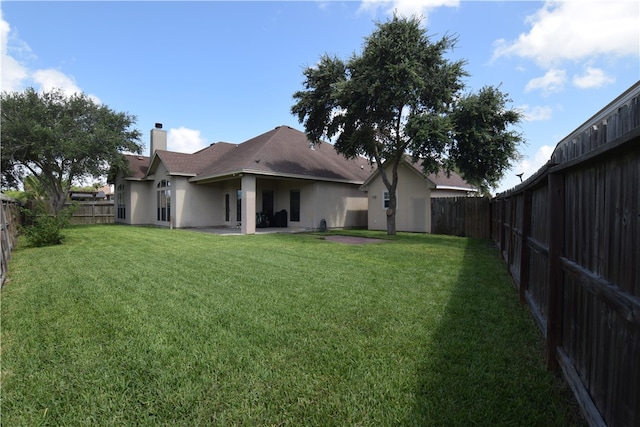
441,180
451,182
106,189
283,151
87,195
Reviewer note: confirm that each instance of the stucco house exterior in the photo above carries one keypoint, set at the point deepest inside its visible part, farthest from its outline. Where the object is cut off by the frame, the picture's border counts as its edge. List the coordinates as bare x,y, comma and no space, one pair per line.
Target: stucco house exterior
414,194
275,179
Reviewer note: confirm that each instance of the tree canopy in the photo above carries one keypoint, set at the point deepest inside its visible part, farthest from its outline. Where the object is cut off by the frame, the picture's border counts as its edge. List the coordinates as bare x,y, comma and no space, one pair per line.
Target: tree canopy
402,96
61,140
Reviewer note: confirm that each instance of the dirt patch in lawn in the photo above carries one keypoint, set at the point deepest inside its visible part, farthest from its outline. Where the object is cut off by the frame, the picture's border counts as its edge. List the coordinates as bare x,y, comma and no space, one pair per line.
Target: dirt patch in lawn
350,240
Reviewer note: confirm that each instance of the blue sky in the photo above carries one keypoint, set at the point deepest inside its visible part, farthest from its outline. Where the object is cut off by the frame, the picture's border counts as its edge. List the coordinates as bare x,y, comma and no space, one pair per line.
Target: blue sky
225,71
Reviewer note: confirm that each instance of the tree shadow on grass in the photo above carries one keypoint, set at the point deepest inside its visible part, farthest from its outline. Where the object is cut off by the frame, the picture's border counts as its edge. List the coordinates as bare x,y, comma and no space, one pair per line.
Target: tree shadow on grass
484,364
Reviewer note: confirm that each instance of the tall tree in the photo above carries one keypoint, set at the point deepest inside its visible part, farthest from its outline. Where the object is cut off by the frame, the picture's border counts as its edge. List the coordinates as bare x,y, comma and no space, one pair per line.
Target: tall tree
402,96
61,140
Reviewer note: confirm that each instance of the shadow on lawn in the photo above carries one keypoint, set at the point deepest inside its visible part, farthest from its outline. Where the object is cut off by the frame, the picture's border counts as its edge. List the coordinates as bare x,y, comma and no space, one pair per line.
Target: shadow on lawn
484,364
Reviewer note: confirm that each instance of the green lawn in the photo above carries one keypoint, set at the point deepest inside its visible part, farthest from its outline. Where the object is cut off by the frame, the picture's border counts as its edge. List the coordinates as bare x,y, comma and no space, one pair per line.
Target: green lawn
145,326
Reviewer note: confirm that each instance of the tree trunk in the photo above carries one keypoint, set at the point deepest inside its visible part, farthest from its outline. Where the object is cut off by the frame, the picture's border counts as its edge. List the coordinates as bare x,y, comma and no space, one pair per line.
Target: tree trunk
57,202
391,188
391,222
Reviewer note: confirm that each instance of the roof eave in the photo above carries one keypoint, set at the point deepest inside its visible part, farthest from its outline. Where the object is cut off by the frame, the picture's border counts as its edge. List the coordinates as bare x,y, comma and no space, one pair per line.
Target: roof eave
185,174
240,172
132,178
449,187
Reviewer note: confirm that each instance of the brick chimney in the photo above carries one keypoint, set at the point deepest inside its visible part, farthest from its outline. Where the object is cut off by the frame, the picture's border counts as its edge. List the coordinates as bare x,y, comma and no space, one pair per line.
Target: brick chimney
158,139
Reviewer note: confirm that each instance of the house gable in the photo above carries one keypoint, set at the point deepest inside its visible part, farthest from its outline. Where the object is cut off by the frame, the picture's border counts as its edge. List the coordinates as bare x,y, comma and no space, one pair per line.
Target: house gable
414,193
439,182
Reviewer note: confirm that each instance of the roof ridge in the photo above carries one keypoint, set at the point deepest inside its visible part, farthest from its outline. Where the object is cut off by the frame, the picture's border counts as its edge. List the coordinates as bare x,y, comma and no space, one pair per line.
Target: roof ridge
273,133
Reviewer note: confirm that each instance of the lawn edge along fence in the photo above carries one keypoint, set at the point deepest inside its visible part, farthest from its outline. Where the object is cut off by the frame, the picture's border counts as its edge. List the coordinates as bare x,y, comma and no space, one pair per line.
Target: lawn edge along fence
9,223
569,236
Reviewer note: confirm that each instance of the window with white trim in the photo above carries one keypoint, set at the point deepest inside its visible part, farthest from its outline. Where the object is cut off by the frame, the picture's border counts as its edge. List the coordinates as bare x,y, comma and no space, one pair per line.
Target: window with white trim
386,200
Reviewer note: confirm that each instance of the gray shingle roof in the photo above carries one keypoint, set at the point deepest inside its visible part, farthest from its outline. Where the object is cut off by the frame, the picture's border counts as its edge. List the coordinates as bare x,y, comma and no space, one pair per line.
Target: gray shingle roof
138,165
283,151
193,164
287,151
440,179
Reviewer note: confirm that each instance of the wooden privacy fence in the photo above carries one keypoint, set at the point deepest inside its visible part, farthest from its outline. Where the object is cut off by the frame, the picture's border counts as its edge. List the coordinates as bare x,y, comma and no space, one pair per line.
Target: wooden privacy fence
569,235
9,222
461,216
92,212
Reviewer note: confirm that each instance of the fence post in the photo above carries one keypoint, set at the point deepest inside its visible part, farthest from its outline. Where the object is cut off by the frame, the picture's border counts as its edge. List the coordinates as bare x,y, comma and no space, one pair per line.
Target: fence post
556,276
525,250
503,210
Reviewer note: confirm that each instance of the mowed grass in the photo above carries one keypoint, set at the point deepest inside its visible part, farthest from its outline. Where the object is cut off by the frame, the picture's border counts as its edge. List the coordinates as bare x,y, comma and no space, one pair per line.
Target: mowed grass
144,326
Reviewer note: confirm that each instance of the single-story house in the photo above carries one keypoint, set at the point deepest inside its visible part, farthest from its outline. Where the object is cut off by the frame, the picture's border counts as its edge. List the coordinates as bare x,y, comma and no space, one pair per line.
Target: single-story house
413,196
275,179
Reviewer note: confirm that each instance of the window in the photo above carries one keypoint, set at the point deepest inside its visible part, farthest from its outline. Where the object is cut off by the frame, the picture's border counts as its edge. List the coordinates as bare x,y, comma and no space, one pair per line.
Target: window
227,207
294,205
239,205
164,200
386,200
121,207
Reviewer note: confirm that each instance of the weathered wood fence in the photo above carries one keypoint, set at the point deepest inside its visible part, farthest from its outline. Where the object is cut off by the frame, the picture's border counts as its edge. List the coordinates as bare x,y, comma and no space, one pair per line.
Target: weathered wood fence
92,212
9,222
569,236
461,216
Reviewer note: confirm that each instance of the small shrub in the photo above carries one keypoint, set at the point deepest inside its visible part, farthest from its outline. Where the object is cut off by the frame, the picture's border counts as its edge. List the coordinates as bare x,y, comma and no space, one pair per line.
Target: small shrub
46,229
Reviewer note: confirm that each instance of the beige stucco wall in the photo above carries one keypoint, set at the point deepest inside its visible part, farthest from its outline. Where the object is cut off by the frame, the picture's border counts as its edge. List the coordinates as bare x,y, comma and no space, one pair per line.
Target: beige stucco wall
413,212
229,187
140,196
136,201
340,205
197,205
203,205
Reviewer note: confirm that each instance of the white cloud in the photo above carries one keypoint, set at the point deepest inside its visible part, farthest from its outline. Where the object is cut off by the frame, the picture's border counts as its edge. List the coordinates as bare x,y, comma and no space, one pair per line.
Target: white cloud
53,79
553,81
185,140
16,75
50,79
577,30
593,78
12,73
527,167
536,113
407,8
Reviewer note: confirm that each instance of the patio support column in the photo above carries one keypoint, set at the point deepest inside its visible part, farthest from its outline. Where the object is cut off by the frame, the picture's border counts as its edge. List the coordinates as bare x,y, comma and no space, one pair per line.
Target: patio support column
248,204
